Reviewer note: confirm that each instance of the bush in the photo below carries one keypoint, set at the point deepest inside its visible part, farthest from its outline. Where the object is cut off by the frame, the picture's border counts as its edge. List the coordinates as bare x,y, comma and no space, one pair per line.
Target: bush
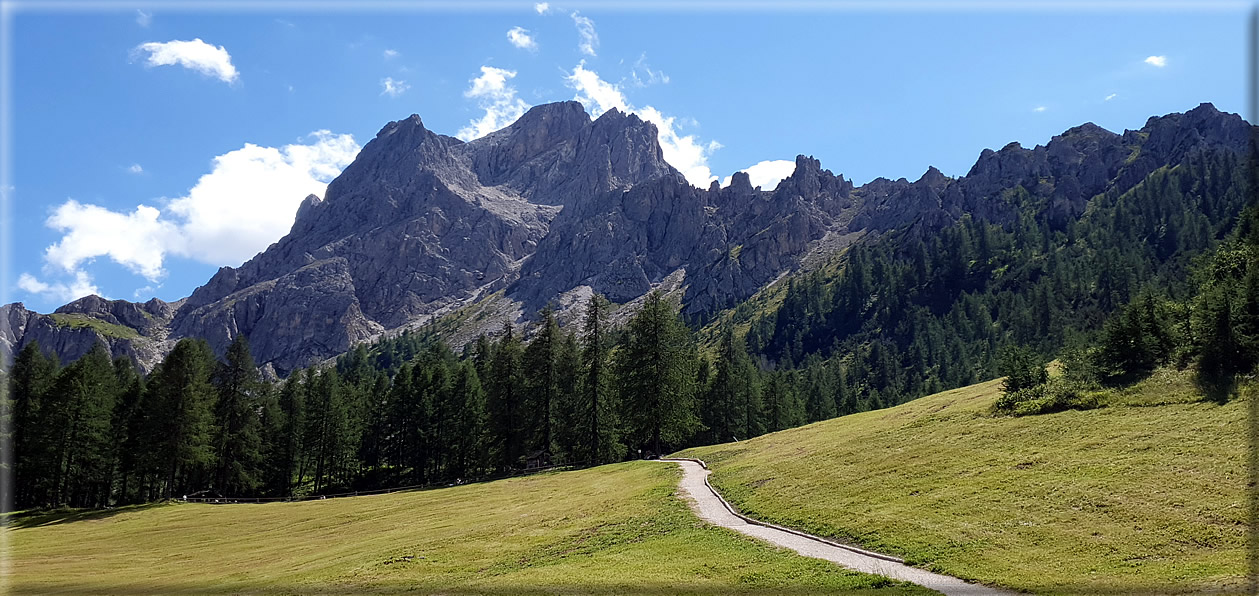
1056,395
1023,369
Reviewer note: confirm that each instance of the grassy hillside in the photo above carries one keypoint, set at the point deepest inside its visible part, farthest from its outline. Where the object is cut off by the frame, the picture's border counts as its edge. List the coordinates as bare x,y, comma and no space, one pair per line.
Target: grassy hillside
1145,494
611,530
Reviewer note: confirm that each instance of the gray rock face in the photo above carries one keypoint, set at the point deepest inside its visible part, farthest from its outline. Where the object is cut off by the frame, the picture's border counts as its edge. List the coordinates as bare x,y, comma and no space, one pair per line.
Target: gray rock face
127,329
557,203
730,241
418,222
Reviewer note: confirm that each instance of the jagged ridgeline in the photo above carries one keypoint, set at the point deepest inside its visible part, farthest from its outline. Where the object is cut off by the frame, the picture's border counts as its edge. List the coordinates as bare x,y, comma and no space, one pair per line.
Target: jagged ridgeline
734,311
558,205
927,308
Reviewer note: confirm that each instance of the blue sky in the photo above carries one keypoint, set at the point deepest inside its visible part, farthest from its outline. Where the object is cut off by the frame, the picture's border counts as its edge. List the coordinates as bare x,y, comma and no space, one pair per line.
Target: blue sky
139,166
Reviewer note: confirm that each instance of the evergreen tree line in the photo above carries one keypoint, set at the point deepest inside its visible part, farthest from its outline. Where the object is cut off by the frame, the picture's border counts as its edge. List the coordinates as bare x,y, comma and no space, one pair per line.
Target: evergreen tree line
905,315
1215,330
912,314
97,433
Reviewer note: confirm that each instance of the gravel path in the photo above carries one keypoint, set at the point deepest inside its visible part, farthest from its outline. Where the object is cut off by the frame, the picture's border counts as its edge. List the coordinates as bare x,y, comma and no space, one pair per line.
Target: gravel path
712,508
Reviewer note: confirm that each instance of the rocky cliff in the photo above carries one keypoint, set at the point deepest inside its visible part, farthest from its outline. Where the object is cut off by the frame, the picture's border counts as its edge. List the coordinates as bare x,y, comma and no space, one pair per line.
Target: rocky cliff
422,224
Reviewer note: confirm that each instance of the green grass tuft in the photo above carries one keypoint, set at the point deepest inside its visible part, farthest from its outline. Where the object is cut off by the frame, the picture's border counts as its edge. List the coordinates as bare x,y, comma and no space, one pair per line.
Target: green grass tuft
78,321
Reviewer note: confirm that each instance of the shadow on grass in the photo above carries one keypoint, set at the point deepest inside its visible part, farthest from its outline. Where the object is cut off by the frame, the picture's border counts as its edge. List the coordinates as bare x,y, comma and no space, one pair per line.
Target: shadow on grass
52,517
1216,389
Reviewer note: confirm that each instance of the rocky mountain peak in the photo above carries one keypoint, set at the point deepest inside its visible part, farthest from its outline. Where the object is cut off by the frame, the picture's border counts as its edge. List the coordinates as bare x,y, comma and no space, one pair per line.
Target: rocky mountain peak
122,312
556,204
932,178
411,122
1176,133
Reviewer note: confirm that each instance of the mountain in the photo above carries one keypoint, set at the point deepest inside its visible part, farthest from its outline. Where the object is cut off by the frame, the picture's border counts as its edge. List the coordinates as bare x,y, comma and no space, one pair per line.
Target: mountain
558,205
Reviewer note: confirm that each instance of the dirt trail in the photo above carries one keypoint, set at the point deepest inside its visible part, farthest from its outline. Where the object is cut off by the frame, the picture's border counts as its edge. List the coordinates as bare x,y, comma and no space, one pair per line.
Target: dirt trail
712,508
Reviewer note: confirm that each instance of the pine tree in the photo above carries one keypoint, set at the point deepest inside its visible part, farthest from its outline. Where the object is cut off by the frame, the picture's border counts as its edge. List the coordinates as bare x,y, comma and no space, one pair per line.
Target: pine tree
1022,369
31,378
1221,348
471,447
237,425
600,440
655,376
542,381
784,409
734,403
568,418
819,389
1247,317
80,413
286,447
325,425
505,401
482,356
181,419
126,450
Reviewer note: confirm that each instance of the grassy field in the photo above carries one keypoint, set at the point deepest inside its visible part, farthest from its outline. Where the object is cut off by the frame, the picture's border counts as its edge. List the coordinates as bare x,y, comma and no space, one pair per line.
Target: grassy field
1145,495
611,530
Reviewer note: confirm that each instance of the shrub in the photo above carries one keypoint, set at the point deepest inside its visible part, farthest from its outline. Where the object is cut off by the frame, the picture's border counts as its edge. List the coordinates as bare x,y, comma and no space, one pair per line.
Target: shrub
1023,369
1057,395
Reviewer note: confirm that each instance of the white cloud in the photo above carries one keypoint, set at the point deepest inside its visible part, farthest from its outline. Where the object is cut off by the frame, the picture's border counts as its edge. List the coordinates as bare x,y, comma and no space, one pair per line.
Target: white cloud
542,7
250,197
81,285
246,202
766,174
520,38
196,54
390,54
497,98
586,30
138,240
1157,61
649,76
1110,97
1039,109
144,19
684,152
393,88
595,93
135,169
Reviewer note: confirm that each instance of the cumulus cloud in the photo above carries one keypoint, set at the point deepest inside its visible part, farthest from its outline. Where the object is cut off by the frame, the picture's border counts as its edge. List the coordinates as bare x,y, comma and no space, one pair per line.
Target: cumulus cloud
390,54
684,152
138,240
196,54
79,286
586,31
393,88
246,202
542,7
1110,97
766,174
520,38
494,95
1157,61
144,19
135,169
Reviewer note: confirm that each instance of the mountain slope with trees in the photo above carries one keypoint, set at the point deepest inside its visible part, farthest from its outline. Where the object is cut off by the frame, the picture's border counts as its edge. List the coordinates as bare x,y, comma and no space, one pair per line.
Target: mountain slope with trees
1157,268
558,205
